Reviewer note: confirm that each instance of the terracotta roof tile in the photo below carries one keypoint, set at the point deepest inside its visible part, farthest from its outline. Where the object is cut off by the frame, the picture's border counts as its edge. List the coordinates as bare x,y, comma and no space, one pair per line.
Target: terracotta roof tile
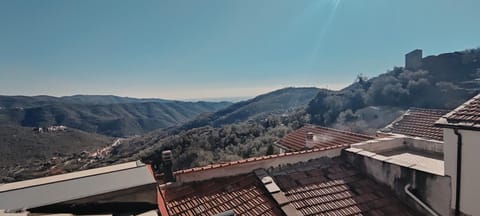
466,115
244,194
329,137
418,122
337,190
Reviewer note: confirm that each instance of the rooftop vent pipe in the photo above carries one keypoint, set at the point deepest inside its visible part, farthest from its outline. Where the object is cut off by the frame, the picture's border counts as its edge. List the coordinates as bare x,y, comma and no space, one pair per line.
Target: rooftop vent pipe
167,159
309,143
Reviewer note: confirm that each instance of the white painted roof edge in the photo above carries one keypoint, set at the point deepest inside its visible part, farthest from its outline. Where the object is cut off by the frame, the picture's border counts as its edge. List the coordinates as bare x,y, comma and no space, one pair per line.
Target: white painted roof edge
69,176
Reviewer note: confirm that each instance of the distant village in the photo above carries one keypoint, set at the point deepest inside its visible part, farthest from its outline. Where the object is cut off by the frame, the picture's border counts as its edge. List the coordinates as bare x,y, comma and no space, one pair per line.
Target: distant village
50,129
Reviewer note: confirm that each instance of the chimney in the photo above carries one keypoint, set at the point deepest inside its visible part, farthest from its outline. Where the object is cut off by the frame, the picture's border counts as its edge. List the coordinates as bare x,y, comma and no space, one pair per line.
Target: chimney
167,166
309,143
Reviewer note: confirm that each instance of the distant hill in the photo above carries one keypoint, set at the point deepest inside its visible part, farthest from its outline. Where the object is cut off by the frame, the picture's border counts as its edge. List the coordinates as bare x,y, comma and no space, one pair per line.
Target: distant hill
42,100
266,117
203,145
24,145
442,82
109,115
279,101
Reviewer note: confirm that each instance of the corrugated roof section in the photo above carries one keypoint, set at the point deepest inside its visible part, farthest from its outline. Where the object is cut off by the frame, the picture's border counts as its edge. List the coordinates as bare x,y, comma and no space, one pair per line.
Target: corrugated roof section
325,137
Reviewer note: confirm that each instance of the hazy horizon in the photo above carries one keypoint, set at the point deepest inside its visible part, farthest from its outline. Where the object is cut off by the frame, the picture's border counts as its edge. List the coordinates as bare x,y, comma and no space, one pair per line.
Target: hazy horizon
186,50
256,92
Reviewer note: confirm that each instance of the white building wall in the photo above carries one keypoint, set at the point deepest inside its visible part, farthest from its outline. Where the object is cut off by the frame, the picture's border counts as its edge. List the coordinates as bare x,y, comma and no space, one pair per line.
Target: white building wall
470,191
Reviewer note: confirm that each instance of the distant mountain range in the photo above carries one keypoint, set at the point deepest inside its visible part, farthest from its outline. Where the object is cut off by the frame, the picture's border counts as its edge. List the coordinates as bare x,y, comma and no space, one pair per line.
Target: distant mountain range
122,116
275,102
42,100
108,115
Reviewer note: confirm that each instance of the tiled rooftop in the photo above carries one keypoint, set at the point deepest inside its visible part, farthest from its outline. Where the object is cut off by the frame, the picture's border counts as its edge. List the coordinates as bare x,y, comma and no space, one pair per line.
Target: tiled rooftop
466,115
328,137
244,195
418,123
337,189
319,187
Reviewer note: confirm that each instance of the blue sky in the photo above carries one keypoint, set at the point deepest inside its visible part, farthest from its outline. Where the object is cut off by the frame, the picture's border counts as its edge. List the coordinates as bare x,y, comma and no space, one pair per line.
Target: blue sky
215,48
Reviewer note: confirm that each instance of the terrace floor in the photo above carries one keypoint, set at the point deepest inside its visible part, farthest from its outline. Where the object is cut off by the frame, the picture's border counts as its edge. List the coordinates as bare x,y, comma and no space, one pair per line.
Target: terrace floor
419,160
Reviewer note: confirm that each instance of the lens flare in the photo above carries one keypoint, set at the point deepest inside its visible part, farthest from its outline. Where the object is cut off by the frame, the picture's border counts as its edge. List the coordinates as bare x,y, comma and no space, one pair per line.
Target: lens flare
332,10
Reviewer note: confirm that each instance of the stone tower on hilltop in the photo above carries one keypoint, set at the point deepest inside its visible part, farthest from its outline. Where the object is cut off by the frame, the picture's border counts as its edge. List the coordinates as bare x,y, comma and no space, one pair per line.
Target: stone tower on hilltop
413,59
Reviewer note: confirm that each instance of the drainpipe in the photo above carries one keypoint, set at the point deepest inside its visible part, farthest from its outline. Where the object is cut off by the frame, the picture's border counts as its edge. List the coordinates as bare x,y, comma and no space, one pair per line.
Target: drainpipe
459,171
425,206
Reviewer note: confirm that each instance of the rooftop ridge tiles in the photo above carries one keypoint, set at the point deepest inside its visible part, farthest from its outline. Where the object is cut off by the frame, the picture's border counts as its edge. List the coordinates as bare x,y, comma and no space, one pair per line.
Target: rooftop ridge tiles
253,159
338,130
298,137
276,193
428,109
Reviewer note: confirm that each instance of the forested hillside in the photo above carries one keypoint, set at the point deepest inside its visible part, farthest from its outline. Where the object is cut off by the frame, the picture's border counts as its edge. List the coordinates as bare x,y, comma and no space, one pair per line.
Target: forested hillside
443,82
101,114
205,145
280,101
29,147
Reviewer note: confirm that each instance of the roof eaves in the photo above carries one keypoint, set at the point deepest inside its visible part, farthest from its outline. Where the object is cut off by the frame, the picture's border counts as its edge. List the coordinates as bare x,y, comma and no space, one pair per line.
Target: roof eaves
448,115
162,205
443,123
49,180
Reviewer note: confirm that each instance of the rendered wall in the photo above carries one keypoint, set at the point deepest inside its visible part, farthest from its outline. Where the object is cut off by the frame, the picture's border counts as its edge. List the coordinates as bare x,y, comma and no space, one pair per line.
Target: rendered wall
470,189
432,189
